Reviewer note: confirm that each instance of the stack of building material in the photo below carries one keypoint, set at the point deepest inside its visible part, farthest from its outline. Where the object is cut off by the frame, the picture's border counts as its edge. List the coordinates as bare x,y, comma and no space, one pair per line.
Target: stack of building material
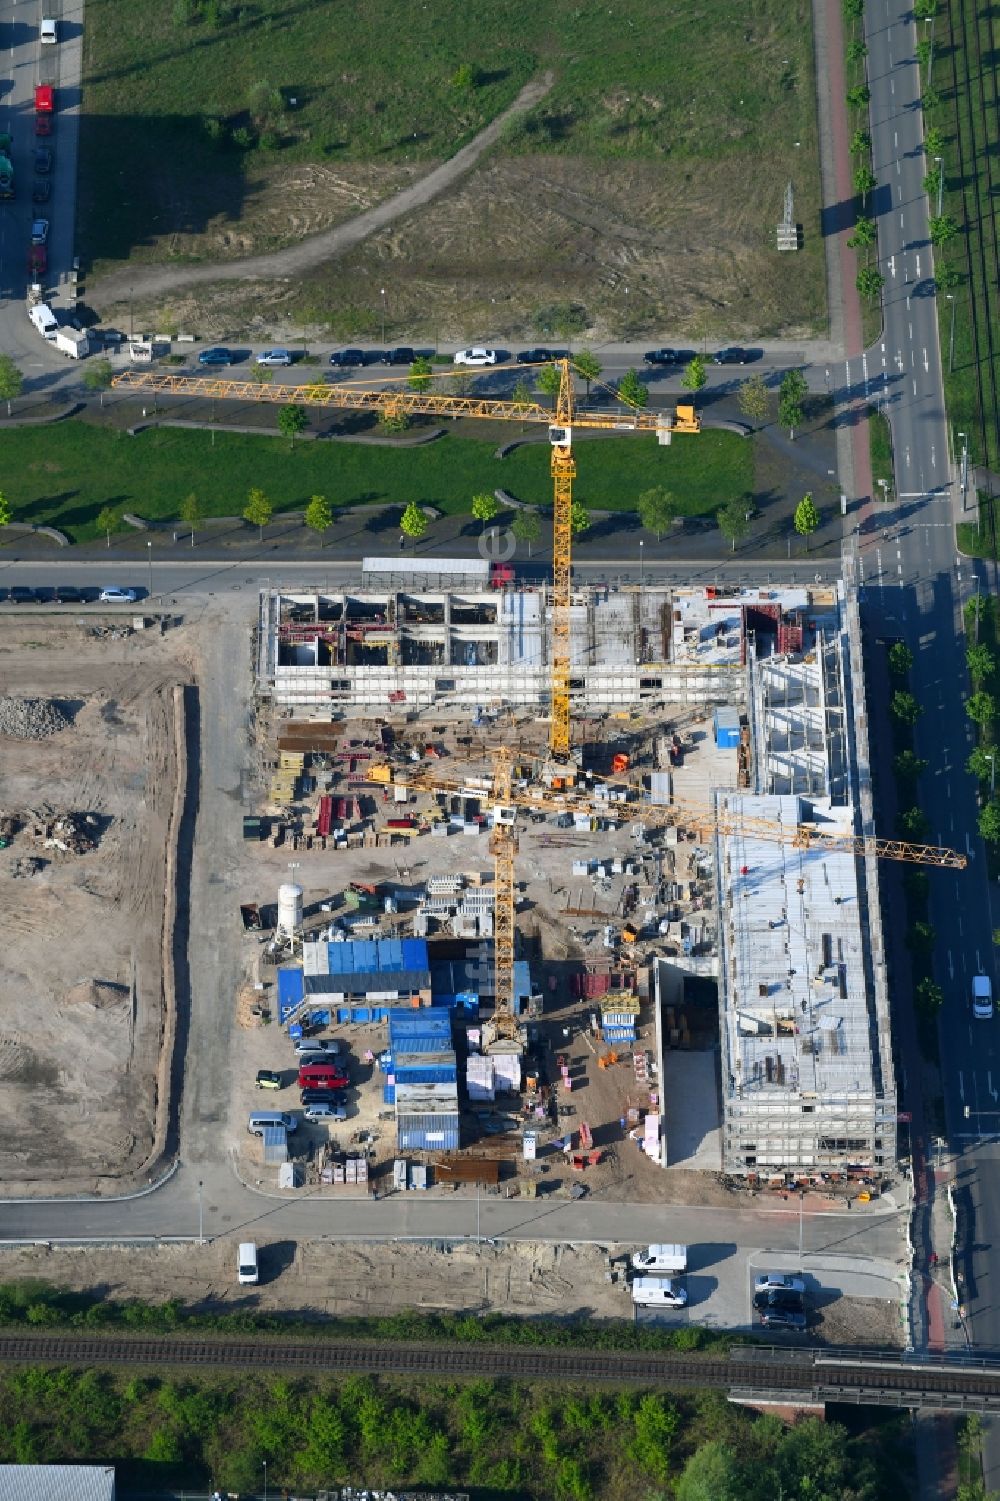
285,781
479,1077
506,1072
619,1015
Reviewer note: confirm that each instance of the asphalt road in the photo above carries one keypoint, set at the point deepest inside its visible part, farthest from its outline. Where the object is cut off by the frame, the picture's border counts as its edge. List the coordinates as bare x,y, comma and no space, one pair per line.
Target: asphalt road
24,62
915,587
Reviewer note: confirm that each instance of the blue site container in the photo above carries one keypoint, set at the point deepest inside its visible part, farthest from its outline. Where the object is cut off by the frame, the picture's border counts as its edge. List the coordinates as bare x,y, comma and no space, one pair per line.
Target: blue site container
727,728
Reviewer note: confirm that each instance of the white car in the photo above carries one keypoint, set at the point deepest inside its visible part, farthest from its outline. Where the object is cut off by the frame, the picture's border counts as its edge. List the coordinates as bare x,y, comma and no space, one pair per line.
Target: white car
118,596
325,1113
49,31
778,1282
274,357
476,357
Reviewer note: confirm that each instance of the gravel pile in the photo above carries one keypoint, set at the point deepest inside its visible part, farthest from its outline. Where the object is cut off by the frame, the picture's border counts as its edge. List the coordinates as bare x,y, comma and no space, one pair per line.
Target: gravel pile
30,718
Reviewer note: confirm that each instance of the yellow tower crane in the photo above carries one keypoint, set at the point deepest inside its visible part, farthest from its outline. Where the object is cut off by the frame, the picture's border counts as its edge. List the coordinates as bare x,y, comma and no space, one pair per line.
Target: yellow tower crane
394,401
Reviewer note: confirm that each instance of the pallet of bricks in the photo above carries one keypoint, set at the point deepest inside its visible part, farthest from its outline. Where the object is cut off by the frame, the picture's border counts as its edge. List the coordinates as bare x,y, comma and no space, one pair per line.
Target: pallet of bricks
285,780
619,1016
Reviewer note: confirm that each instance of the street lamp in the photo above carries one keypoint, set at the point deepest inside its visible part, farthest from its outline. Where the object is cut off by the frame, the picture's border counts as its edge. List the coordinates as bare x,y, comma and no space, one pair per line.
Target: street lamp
641,546
991,758
265,1479
131,317
382,290
965,466
201,1217
951,337
940,166
149,556
802,1195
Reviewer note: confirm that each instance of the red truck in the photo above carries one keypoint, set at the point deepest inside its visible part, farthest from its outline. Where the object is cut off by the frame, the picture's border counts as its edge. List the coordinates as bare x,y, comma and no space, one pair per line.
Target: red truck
45,108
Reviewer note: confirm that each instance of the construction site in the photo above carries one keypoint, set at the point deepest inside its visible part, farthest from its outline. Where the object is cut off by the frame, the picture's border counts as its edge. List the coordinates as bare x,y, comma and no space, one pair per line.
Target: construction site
556,971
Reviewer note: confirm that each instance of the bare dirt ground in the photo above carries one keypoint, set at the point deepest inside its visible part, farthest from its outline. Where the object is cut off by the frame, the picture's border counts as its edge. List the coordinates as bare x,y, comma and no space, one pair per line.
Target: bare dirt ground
81,990
523,1280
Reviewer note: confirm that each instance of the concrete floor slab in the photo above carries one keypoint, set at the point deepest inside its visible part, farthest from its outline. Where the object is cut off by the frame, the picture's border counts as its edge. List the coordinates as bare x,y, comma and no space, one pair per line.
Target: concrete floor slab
691,1106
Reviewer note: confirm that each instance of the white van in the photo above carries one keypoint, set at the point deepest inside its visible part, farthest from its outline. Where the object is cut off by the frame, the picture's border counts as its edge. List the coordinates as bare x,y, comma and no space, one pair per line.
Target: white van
658,1292
246,1264
982,997
661,1259
261,1119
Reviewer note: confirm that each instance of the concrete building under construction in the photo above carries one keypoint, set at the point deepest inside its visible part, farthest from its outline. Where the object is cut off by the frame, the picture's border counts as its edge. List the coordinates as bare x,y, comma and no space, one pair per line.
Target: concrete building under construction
806,1052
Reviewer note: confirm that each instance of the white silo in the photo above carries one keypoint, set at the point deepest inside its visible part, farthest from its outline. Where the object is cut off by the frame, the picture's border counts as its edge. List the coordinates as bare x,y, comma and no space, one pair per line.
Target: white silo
289,909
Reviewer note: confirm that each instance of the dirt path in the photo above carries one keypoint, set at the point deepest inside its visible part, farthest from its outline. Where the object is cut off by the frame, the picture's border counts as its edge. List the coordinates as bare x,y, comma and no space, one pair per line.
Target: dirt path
151,282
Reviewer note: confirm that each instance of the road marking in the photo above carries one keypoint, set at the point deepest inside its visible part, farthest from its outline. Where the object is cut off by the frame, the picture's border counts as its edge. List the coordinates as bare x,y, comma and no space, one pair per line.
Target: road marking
961,1087
933,457
892,265
892,85
898,168
960,927
907,453
909,325
895,138
901,225
951,965
989,1081
947,790
918,265
926,365
914,388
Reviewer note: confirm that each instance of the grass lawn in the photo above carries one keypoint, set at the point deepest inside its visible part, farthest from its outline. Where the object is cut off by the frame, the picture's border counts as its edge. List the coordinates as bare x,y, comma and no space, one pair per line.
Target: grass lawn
966,79
82,467
880,448
194,128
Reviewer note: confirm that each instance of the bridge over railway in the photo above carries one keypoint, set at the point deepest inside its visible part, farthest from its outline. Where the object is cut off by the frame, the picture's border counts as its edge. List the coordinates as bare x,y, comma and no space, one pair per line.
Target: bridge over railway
755,1374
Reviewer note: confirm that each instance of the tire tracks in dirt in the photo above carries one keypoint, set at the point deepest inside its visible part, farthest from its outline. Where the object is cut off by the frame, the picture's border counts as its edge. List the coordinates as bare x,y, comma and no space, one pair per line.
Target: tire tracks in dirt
296,259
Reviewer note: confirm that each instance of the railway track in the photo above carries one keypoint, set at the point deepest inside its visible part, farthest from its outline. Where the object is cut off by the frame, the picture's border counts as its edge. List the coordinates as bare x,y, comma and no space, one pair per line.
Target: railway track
749,1372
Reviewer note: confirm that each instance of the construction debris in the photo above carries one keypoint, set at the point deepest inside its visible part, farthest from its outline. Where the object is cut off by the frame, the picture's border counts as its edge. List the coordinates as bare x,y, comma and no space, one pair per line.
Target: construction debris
72,833
31,718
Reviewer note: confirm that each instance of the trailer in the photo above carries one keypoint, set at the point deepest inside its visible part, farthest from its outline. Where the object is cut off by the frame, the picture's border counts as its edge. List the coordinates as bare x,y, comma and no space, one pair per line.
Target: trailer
74,342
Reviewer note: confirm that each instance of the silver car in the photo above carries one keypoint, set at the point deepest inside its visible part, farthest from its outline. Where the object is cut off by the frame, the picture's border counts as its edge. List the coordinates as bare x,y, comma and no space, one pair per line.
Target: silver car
778,1282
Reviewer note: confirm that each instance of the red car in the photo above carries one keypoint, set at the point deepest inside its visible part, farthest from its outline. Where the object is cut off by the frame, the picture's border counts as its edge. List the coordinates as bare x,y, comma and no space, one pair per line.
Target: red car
322,1076
45,104
38,260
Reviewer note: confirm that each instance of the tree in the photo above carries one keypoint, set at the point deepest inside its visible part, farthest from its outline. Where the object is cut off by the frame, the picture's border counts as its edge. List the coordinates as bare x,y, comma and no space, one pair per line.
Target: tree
791,393
943,227
930,997
980,661
947,277
393,423
413,522
980,764
191,512
909,767
913,824
11,381
484,507
261,375
657,509
900,659
631,390
904,707
854,9
695,374
579,518
753,398
107,521
587,366
292,420
466,77
6,514
319,514
548,380
933,141
258,510
856,51
98,376
522,396
864,234
869,282
989,822
923,51
419,377
925,10
929,99
807,517
859,96
932,181
713,1473
527,528
861,142
732,520
981,708
864,180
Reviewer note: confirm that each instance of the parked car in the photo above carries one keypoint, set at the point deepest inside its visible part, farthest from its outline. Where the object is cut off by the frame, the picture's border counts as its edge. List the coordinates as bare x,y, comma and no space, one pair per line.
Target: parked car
781,1282
321,1111
216,356
347,358
476,356
313,1096
534,356
41,190
779,1300
20,594
274,357
268,1078
315,1047
734,355
67,594
782,1318
48,32
403,355
662,357
115,596
43,159
326,1078
39,231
